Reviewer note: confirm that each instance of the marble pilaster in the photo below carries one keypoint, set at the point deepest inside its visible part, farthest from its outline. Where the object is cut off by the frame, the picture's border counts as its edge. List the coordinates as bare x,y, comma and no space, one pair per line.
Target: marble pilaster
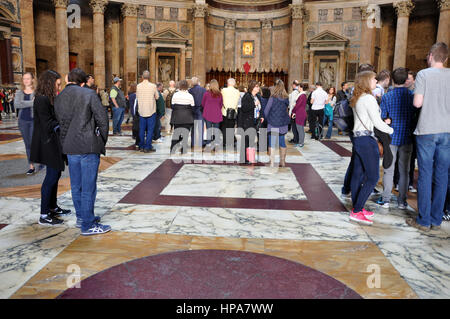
199,61
129,13
62,37
230,27
341,66
28,38
182,64
296,53
266,43
98,9
444,22
403,9
311,67
368,35
152,64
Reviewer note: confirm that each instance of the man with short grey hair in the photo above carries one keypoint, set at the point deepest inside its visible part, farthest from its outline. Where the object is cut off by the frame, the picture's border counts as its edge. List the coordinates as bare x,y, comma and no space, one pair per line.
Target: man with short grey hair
146,95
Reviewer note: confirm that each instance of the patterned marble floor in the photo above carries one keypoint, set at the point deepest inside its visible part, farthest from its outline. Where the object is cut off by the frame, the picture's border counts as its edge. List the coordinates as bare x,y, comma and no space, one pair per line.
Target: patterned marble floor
34,260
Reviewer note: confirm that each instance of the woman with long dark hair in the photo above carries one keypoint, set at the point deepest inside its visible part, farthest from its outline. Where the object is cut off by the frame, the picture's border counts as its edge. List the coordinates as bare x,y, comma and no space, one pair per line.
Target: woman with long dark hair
212,103
366,168
46,148
277,114
329,108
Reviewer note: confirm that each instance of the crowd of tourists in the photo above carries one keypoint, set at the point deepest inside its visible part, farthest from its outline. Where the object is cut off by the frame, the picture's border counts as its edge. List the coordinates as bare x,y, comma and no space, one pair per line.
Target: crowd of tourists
398,115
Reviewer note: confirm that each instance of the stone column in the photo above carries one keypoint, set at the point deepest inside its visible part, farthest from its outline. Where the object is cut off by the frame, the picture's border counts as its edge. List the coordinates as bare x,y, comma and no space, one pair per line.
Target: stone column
62,37
129,12
444,22
311,68
182,64
230,27
98,8
368,37
152,64
403,9
341,68
115,50
199,63
6,61
266,43
296,56
28,40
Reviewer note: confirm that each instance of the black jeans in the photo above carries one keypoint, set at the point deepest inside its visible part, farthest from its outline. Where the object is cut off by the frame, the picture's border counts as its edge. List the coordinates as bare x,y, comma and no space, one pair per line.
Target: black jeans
49,190
227,124
294,131
316,120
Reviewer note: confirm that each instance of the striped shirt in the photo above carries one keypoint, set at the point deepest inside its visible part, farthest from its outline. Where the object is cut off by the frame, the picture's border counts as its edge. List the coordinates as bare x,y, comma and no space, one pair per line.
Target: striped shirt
147,94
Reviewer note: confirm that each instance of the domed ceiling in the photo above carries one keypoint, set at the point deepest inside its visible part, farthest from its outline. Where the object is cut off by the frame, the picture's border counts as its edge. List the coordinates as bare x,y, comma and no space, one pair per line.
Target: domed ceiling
249,5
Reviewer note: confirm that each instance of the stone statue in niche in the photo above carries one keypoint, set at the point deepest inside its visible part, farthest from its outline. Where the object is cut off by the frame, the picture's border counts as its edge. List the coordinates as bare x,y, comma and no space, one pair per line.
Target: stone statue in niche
327,75
165,70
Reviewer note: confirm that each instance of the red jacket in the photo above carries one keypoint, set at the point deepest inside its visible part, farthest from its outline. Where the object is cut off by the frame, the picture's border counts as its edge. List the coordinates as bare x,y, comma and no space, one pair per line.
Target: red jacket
1,104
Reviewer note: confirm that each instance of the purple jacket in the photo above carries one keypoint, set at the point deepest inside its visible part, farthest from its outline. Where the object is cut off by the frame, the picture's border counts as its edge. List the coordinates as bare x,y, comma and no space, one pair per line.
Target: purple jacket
300,110
212,107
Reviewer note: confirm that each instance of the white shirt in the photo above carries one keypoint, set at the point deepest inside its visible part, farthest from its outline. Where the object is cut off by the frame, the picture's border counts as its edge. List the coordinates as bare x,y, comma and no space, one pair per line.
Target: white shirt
293,97
367,115
320,97
183,98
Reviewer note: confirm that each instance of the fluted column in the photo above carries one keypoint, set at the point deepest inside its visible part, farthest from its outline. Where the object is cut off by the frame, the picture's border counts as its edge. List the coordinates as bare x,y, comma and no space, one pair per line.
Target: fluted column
444,22
266,43
182,64
403,9
368,35
230,27
296,54
98,9
129,12
199,63
115,49
62,37
311,68
28,39
153,64
6,60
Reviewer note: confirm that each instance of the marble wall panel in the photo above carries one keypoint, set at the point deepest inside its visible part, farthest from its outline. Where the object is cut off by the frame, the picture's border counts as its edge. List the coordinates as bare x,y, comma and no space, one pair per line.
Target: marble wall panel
214,48
280,49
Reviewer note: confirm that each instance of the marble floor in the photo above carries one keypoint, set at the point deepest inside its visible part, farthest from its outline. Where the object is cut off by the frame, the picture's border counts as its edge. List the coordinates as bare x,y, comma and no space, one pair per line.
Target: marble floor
156,204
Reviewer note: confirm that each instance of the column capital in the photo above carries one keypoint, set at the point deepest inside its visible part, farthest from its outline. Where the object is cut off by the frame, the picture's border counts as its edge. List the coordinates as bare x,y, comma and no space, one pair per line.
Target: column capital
26,3
6,35
230,24
266,23
98,6
367,11
403,8
298,11
200,10
61,3
444,4
129,10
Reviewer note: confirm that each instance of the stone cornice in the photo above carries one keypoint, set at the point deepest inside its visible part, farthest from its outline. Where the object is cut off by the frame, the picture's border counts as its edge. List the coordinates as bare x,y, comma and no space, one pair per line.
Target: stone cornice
129,10
98,6
200,10
444,4
298,11
404,8
61,3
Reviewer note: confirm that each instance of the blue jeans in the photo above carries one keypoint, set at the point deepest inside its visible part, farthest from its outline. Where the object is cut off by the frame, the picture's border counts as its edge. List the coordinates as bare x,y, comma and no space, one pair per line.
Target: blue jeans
366,170
146,128
433,160
273,137
83,171
330,124
26,129
210,127
118,114
157,129
49,190
346,188
197,130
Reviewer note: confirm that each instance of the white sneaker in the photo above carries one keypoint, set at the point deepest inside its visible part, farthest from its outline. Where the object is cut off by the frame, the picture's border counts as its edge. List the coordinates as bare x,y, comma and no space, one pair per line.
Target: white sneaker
412,189
403,206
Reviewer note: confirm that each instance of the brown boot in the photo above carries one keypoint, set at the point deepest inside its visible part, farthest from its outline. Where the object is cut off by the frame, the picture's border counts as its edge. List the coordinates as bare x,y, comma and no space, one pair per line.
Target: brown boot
272,156
283,151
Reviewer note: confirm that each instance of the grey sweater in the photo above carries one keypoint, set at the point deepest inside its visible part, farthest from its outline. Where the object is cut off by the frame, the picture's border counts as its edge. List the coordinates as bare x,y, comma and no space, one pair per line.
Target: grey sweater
20,103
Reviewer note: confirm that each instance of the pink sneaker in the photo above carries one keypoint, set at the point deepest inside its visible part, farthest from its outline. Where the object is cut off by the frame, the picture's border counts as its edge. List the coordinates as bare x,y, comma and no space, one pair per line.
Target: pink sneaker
367,214
360,218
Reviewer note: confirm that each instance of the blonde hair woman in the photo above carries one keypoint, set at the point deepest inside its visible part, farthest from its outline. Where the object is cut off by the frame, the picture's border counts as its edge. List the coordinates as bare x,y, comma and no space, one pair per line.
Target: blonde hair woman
367,157
23,102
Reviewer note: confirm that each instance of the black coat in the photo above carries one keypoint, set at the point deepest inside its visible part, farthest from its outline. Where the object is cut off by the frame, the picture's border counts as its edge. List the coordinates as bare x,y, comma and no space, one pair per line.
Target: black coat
182,114
45,145
81,115
246,118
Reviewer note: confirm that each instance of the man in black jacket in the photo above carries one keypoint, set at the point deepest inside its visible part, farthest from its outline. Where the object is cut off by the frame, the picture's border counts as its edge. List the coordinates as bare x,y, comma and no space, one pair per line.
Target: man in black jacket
84,129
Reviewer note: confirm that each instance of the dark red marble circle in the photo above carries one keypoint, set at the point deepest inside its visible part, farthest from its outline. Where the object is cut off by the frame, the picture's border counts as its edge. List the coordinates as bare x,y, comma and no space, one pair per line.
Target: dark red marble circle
210,274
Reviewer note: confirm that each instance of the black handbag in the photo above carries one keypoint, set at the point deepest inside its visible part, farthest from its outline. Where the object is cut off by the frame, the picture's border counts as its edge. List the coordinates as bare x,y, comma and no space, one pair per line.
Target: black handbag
231,114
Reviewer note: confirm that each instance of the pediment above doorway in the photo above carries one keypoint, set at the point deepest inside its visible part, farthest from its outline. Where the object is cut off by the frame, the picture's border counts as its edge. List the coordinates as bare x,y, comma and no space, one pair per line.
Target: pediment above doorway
327,40
167,36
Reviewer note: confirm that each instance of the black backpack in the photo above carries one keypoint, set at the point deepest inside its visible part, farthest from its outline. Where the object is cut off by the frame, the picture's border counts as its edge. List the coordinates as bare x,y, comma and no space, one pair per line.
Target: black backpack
343,116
